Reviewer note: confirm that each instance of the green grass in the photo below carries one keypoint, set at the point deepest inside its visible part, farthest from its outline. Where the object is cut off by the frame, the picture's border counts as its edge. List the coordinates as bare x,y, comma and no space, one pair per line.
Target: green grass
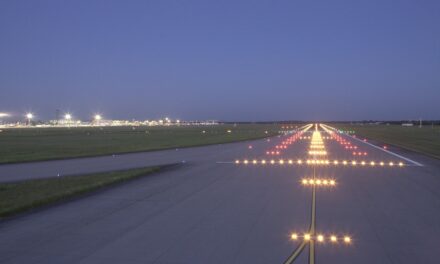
32,144
25,195
425,140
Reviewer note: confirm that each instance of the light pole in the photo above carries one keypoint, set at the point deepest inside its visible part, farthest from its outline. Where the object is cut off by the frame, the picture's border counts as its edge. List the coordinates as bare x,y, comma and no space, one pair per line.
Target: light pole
29,117
68,117
98,118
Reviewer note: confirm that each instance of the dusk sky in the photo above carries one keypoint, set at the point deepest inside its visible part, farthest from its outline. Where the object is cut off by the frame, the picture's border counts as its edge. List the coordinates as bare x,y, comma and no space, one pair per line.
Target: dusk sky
224,60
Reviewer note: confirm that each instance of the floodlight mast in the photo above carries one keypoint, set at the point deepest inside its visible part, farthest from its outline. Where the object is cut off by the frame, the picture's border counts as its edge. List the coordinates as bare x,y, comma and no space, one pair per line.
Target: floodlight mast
29,117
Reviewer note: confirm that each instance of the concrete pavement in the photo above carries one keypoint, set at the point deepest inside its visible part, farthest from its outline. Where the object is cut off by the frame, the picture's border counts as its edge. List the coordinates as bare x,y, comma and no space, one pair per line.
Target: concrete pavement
209,212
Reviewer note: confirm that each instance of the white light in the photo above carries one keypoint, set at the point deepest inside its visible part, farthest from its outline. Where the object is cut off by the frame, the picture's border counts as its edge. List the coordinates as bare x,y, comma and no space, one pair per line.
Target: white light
98,117
68,116
29,115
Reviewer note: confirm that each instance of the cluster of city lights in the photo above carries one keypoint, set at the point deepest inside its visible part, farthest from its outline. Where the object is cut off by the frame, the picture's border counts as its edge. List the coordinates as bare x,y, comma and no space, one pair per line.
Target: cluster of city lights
67,116
318,182
322,238
321,162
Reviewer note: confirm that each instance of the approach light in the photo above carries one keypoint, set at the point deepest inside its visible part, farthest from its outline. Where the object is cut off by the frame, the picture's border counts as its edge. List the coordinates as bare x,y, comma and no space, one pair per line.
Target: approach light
294,236
347,239
320,238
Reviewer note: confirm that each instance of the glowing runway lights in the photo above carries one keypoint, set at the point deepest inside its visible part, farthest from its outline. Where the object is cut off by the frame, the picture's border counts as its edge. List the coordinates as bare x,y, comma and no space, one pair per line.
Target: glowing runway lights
317,152
321,238
318,182
321,162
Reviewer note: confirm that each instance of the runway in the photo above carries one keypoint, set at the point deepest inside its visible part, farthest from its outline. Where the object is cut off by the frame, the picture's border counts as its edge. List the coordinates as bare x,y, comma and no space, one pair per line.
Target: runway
215,208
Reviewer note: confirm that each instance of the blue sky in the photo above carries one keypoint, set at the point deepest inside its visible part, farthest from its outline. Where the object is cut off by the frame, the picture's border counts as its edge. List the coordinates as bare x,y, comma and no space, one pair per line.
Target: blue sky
226,60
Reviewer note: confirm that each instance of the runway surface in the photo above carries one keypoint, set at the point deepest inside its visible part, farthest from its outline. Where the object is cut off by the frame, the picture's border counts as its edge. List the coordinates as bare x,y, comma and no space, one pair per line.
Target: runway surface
212,210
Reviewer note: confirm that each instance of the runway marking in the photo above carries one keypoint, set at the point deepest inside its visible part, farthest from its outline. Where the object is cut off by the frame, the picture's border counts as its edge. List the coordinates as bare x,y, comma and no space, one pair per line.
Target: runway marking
374,146
389,152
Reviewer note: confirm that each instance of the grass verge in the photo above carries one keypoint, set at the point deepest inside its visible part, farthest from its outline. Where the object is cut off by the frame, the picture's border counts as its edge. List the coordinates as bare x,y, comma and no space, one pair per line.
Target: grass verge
424,140
36,144
21,196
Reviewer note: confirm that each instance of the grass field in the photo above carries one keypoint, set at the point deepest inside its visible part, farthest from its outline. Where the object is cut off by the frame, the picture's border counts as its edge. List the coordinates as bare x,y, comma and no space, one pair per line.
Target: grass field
425,140
25,195
32,144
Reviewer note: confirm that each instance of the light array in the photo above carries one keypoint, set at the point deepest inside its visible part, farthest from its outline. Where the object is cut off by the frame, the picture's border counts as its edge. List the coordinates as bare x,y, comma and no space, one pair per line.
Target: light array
322,162
317,147
343,142
287,142
309,137
321,238
318,182
318,152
